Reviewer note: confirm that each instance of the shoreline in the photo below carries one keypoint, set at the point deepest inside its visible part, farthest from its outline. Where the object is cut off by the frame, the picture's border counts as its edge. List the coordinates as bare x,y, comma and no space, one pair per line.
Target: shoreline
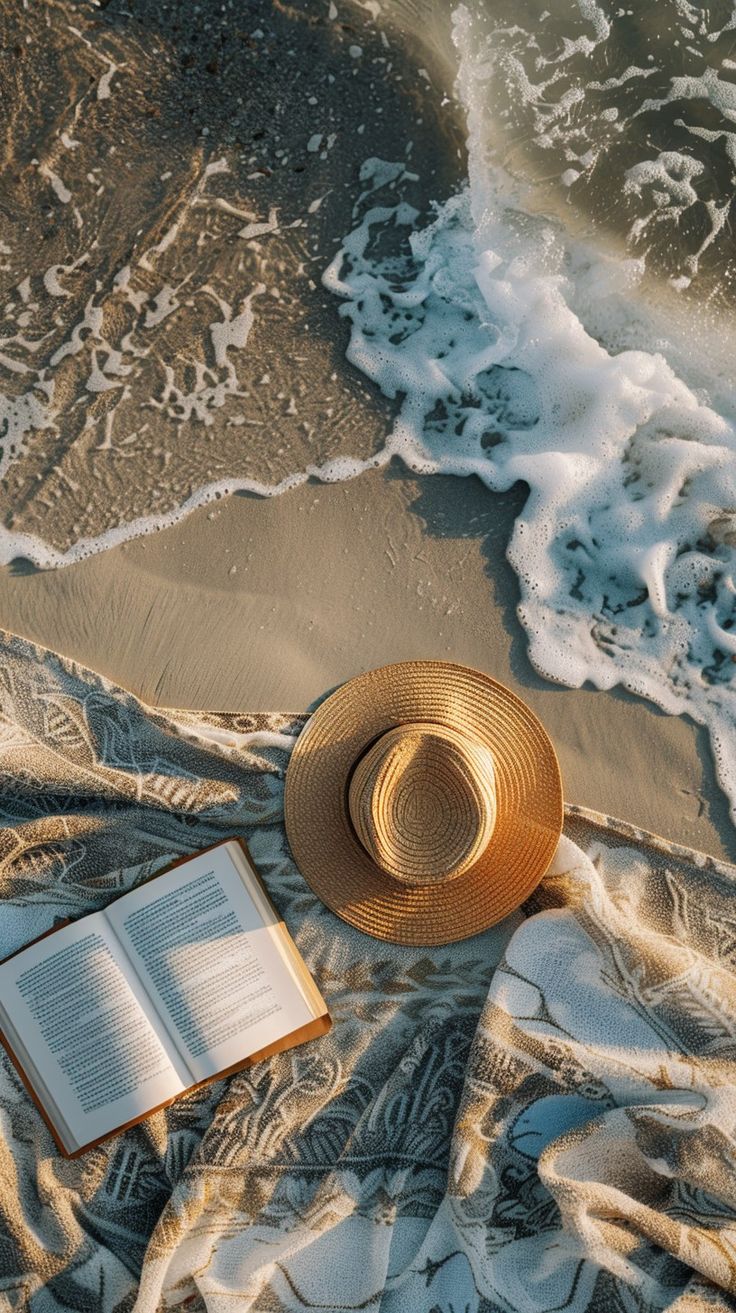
229,611
265,604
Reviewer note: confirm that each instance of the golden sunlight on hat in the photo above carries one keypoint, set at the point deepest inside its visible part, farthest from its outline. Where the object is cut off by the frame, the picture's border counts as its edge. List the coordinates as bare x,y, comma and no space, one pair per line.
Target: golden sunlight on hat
423,802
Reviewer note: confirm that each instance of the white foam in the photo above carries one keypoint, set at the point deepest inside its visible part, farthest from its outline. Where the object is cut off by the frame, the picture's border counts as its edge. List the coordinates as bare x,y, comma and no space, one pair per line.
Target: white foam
516,353
626,561
232,330
269,225
104,86
60,189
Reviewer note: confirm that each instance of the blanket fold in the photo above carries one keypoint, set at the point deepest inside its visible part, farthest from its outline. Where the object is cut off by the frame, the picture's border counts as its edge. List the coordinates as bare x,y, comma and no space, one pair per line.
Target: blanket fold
540,1118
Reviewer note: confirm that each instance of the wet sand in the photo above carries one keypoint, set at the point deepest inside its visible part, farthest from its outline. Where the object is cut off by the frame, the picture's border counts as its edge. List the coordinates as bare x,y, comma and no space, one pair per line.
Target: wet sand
267,604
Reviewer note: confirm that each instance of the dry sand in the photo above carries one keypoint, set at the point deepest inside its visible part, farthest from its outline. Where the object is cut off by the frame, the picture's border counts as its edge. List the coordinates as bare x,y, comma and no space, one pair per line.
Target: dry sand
267,604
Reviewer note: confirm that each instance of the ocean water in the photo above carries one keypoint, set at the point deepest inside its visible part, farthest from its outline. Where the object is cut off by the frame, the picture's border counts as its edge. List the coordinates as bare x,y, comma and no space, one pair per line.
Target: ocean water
566,322
561,316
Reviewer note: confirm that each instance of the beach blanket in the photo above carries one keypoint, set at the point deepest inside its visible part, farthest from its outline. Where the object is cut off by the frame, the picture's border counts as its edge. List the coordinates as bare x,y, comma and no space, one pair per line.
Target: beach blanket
539,1118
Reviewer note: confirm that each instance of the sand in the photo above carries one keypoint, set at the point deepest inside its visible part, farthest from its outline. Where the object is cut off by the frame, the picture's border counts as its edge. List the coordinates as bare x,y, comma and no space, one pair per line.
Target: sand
268,603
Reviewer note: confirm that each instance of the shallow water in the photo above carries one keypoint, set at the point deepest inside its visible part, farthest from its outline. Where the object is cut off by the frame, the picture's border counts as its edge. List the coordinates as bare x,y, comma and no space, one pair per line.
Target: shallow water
176,178
586,354
562,318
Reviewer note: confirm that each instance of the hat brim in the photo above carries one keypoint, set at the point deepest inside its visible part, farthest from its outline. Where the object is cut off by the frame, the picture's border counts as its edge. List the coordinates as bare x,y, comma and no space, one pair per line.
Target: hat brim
528,796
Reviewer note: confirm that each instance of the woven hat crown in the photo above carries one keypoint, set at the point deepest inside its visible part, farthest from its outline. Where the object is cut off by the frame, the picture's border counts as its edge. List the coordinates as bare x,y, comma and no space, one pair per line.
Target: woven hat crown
422,802
365,836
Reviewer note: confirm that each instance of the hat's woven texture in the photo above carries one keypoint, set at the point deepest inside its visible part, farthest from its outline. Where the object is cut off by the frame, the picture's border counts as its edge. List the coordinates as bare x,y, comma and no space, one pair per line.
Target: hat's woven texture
325,842
422,802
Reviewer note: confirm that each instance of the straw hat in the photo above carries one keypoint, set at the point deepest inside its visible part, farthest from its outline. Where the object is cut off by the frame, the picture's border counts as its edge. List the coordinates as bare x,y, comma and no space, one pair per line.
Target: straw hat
423,802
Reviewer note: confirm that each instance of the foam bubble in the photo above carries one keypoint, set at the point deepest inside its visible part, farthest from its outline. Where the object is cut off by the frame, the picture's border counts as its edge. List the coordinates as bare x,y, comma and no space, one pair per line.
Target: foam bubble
515,350
626,564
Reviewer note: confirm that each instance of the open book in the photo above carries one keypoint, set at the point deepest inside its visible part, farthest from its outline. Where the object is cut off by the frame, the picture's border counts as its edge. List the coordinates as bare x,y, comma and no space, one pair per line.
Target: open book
189,977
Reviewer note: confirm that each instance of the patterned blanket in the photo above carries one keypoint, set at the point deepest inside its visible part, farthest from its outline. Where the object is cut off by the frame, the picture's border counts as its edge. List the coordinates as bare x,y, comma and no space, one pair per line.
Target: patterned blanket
540,1118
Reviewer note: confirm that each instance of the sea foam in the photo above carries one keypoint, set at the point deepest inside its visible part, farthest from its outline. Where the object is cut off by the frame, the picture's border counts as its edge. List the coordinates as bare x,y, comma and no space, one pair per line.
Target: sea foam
516,349
625,549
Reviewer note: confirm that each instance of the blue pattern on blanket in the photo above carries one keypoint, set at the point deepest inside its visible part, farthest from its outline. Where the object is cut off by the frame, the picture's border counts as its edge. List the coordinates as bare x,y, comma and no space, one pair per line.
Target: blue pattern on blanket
542,1117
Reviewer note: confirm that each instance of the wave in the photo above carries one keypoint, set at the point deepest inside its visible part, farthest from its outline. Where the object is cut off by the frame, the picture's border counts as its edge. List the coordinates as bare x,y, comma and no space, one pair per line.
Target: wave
503,336
564,332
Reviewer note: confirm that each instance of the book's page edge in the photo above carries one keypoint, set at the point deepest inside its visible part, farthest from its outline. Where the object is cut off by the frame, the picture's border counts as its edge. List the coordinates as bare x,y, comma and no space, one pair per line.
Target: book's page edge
240,868
30,1075
32,1081
286,944
314,1029
34,1097
320,1026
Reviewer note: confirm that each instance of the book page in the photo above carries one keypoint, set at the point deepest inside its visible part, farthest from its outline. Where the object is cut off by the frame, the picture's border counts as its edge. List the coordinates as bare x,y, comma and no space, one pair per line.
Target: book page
209,963
72,1005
